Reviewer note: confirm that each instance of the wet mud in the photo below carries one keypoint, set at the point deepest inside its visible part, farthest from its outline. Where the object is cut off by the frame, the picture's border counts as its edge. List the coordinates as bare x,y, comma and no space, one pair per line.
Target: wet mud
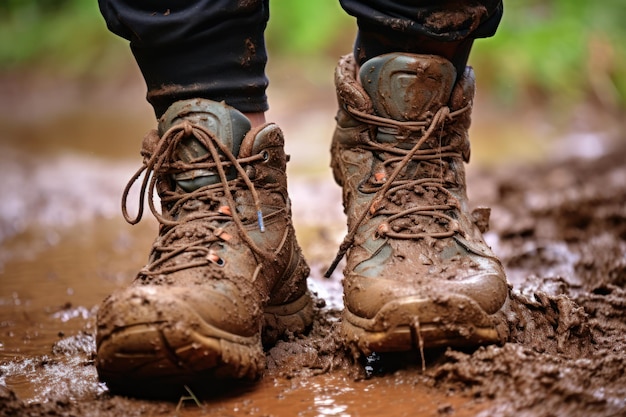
558,225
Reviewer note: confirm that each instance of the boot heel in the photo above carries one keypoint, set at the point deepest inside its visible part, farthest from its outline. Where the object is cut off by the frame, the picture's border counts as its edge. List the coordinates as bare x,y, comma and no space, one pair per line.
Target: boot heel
294,317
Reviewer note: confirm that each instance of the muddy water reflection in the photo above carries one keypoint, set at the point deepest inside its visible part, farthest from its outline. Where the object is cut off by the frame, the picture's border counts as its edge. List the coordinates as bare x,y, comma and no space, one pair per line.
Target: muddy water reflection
338,395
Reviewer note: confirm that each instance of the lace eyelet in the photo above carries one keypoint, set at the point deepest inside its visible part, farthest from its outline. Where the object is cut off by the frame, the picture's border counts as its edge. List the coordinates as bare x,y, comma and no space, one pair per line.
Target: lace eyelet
265,155
381,231
215,259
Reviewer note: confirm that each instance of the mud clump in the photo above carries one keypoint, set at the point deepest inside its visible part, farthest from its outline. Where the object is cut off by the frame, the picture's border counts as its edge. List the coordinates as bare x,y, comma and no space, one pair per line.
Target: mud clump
320,351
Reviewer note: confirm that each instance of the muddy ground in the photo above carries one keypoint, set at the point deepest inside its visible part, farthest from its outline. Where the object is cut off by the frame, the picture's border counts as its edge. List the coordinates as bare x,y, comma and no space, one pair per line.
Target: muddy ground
558,223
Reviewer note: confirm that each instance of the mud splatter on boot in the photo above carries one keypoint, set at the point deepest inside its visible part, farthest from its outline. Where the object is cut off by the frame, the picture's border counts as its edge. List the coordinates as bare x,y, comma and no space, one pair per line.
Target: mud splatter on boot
418,271
225,273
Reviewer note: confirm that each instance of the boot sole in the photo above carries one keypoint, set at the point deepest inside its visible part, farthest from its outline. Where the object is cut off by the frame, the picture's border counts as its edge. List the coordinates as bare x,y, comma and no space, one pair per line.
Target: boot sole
415,323
157,354
148,357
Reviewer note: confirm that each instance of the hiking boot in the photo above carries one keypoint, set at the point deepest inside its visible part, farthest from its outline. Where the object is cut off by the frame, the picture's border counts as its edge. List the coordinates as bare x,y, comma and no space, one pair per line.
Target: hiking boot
225,273
418,272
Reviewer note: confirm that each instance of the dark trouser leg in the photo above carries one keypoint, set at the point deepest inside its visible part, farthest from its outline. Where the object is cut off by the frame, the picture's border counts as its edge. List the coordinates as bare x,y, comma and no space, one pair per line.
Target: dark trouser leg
445,28
185,49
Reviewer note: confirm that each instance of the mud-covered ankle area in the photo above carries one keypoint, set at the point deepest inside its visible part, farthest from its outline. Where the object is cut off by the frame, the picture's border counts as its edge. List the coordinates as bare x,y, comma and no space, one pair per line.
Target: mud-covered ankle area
559,228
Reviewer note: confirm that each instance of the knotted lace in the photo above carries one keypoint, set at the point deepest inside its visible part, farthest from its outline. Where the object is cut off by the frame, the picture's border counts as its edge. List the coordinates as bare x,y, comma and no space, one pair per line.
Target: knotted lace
162,162
392,184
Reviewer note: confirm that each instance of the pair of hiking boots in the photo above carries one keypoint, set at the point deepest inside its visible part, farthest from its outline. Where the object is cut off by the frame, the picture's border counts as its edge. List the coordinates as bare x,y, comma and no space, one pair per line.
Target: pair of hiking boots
226,276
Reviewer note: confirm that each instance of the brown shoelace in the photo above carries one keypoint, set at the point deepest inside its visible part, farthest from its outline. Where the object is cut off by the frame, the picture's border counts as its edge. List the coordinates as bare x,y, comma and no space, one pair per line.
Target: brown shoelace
161,162
390,185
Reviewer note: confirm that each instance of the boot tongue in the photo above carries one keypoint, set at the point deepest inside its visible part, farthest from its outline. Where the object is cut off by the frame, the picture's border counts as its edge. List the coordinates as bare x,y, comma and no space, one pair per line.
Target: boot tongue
407,87
227,124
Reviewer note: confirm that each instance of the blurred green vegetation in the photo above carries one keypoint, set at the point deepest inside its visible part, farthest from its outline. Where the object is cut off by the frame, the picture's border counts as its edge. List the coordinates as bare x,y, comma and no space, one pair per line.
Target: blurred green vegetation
563,51
555,51
56,37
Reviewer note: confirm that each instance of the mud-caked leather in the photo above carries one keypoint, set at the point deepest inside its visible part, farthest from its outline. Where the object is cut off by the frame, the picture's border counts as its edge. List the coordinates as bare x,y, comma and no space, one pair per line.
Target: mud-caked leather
225,274
418,273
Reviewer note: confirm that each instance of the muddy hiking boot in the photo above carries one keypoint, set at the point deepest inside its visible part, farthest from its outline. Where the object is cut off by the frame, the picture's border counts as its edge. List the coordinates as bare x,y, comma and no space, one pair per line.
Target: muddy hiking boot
418,273
225,273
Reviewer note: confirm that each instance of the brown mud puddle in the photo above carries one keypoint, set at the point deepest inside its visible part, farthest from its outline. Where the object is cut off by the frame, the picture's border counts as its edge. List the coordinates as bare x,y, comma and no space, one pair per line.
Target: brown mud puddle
559,227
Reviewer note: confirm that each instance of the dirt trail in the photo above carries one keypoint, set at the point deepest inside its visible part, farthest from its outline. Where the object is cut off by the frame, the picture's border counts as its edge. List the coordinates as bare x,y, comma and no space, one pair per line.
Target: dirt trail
559,226
560,229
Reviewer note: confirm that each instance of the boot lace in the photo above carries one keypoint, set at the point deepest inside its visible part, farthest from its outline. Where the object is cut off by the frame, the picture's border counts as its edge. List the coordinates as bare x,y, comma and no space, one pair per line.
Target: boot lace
162,162
392,184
